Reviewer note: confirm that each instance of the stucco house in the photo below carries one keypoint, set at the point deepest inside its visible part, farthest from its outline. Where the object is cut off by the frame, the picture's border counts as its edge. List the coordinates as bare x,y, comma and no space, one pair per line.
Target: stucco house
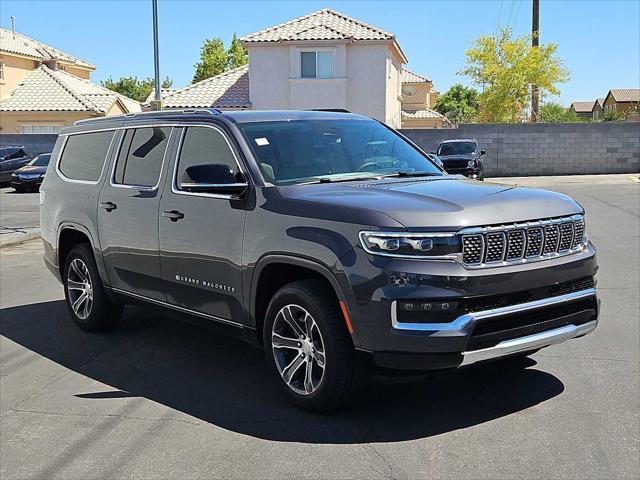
322,60
43,89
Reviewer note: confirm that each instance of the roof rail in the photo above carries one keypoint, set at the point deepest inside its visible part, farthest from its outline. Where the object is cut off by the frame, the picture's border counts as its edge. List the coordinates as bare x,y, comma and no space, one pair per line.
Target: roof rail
201,111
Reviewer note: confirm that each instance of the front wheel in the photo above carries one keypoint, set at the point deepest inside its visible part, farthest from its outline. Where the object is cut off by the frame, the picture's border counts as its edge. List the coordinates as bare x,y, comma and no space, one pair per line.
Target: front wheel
87,301
308,348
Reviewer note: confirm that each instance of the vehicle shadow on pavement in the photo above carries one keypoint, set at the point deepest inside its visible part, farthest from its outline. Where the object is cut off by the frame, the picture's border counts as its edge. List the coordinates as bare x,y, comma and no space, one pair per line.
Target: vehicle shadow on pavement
225,382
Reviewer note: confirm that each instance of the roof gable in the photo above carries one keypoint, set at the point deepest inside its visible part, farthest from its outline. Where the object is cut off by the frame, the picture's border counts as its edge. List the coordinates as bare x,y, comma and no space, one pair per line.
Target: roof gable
44,89
22,45
407,76
624,94
582,107
325,24
227,90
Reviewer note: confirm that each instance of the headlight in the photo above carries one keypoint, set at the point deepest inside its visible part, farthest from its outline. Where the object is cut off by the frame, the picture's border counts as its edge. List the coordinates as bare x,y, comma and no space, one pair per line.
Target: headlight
404,244
471,163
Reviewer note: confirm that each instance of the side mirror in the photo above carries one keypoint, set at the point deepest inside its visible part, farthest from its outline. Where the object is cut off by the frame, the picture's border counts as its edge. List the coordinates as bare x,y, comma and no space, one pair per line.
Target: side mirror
483,152
213,178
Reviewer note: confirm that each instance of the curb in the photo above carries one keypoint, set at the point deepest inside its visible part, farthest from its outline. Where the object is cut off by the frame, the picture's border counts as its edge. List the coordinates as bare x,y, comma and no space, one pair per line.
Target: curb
6,242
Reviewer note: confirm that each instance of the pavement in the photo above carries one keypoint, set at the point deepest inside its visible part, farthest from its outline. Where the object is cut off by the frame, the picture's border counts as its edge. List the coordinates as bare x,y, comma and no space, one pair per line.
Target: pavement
19,216
156,398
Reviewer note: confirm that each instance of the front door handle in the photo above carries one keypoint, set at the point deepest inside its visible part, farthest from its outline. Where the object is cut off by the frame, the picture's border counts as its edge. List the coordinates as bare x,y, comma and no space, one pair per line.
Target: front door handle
108,206
173,215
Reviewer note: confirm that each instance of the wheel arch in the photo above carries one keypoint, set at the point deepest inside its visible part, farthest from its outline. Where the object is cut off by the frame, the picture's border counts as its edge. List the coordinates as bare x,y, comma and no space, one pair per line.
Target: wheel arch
71,234
297,268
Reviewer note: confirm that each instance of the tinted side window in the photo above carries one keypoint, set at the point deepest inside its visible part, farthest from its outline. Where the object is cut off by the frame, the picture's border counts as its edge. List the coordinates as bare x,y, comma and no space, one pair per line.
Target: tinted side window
141,155
204,145
84,155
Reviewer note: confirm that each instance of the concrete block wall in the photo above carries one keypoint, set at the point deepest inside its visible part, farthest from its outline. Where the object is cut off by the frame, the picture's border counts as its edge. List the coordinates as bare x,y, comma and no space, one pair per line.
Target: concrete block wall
33,143
546,148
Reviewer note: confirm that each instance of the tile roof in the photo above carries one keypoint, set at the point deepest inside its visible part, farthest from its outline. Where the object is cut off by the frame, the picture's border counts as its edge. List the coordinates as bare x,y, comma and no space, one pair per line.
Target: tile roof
23,45
600,102
163,93
583,107
424,113
46,90
625,94
227,90
325,24
407,76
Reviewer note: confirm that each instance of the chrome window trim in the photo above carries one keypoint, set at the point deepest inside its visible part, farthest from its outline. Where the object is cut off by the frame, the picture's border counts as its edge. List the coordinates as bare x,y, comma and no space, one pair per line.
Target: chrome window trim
140,188
174,179
64,178
463,320
179,308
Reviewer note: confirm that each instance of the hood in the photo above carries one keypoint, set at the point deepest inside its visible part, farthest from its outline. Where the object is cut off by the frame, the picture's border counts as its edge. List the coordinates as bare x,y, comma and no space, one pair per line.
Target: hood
32,169
442,203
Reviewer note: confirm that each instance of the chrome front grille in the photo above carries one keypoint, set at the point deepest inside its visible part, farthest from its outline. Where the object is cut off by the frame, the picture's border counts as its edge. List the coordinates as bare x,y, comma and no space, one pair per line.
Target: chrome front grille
526,242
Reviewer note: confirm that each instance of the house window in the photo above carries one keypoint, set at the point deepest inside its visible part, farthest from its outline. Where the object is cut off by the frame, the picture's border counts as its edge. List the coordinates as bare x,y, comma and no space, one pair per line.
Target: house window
316,65
40,128
1,70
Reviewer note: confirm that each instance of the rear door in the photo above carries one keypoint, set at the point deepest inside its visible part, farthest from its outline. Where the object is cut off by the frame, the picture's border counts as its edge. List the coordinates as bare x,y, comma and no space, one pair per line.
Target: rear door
128,212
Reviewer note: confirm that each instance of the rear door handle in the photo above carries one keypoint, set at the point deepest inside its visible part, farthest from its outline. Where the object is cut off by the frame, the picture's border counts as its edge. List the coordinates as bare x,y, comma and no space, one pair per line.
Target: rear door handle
108,206
173,215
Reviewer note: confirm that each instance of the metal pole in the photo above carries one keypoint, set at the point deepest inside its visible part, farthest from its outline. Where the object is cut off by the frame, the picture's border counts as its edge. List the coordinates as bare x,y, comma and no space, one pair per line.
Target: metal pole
157,103
535,42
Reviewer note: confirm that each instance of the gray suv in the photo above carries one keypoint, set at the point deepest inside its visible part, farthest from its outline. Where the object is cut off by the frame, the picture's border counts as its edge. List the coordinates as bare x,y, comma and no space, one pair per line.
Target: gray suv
326,238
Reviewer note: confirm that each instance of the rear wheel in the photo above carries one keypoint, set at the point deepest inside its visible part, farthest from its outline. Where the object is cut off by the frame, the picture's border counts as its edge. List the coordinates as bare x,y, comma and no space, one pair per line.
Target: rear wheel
308,348
87,301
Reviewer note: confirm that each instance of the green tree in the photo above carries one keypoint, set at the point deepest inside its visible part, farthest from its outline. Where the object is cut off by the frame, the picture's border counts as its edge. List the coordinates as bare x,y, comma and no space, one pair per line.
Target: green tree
237,55
134,88
459,104
213,60
613,116
506,67
555,113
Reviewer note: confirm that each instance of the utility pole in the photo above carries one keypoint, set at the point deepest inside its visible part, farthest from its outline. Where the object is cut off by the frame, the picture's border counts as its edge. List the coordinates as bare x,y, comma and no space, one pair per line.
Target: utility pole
156,104
535,42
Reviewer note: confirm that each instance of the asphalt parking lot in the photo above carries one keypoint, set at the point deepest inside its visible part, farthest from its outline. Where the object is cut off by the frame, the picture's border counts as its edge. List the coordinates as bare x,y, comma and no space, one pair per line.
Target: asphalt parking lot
161,399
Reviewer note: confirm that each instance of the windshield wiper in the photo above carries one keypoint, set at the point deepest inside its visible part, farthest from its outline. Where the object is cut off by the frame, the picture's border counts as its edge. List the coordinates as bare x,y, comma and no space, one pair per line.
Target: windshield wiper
412,174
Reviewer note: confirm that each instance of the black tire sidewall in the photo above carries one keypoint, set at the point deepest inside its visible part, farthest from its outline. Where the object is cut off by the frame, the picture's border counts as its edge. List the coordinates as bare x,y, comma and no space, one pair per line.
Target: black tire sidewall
334,358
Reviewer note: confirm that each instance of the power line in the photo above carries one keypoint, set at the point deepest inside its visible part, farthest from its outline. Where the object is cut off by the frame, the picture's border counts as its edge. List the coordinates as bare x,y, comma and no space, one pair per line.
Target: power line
499,15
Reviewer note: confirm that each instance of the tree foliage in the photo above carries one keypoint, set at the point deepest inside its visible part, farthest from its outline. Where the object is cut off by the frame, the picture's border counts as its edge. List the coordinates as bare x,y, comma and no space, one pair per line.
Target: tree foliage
506,67
556,113
214,59
459,104
134,88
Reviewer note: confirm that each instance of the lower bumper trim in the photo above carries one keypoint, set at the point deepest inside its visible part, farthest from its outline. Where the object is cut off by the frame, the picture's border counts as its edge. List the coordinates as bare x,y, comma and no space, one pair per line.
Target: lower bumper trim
530,342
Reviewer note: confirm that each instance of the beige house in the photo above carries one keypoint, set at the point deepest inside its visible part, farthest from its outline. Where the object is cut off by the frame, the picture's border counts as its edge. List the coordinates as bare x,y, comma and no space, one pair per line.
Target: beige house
598,109
43,89
625,101
322,60
419,101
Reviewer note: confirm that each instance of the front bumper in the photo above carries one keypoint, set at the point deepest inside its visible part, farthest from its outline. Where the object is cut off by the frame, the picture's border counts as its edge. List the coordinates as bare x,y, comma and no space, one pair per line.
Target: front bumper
27,184
493,313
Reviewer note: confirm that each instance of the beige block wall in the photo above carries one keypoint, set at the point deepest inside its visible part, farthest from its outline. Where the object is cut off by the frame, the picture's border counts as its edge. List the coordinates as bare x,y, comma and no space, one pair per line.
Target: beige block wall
422,123
15,69
10,122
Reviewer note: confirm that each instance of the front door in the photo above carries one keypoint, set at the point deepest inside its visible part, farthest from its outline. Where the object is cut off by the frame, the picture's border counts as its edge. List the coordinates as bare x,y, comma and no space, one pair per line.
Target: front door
128,213
201,233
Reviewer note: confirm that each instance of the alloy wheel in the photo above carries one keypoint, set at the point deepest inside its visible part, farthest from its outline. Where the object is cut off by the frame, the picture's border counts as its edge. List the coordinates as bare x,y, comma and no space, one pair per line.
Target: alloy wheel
80,288
298,349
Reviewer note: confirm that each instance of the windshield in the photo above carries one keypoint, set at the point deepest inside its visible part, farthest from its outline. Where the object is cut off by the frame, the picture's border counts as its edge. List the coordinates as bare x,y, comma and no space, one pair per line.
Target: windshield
41,160
457,148
305,151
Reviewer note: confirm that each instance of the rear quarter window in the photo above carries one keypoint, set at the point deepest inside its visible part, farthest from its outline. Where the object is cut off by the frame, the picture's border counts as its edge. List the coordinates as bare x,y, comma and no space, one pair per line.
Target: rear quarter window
84,155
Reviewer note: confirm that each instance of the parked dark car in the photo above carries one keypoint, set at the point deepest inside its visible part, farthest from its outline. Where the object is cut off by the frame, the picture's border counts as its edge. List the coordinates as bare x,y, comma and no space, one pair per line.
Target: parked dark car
12,157
325,238
462,157
29,177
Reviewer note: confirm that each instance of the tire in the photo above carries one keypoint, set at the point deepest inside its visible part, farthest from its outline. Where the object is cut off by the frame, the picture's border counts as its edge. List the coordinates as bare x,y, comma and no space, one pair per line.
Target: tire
81,278
19,189
335,376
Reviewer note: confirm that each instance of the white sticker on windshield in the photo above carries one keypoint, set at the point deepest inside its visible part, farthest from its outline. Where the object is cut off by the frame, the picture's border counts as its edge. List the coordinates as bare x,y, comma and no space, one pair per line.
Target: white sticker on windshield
261,142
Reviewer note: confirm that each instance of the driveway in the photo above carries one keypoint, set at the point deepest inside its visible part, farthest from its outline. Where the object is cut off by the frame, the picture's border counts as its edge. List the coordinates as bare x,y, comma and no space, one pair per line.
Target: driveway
160,399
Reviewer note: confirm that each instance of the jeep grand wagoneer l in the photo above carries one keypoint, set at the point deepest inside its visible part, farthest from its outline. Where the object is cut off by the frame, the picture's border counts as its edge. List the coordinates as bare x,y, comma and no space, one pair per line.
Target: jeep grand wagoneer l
327,238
